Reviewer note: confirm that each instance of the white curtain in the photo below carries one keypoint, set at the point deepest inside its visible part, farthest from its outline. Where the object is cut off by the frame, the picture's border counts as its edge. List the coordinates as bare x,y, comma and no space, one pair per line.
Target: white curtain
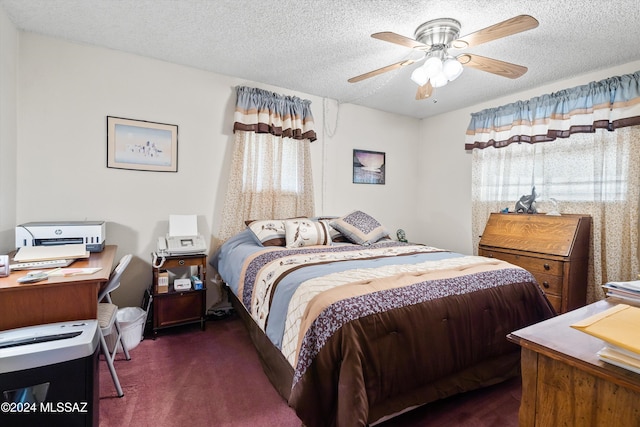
597,174
270,178
271,171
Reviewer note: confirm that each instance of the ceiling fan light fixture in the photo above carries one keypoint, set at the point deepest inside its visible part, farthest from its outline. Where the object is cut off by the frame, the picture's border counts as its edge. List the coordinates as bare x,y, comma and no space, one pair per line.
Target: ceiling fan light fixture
419,76
452,68
439,80
432,66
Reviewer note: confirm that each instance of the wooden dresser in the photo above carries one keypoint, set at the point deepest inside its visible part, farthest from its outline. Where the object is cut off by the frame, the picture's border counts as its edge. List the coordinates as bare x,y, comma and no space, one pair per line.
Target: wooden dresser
555,249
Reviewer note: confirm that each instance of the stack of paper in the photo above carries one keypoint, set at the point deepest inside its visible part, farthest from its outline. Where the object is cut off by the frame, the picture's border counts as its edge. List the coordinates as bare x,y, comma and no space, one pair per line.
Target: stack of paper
628,291
41,253
619,328
620,357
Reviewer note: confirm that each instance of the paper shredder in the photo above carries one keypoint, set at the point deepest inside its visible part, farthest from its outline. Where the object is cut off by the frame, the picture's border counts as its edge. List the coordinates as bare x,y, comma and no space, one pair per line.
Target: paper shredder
49,375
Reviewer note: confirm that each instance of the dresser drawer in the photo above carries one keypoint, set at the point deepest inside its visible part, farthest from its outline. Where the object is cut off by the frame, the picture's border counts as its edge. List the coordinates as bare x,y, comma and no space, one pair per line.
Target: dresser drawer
556,302
529,263
549,283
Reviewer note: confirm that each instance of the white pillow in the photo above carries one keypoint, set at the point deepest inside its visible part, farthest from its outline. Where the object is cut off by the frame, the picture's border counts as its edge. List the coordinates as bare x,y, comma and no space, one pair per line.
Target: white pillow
305,232
268,232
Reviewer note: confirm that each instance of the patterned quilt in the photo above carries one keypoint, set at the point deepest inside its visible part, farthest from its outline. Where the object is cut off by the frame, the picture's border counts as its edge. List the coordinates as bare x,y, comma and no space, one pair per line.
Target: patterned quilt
335,311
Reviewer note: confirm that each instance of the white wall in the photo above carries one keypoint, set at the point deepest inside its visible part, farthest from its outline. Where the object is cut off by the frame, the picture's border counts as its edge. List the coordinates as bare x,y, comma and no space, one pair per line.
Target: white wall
8,131
393,203
65,92
445,183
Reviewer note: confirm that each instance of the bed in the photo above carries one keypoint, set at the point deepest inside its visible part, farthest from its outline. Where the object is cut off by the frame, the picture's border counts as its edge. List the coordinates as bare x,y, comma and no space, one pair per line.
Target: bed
352,327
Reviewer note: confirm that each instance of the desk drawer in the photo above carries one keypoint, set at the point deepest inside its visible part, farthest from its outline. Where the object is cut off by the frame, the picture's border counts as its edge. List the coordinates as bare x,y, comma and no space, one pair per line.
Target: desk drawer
529,263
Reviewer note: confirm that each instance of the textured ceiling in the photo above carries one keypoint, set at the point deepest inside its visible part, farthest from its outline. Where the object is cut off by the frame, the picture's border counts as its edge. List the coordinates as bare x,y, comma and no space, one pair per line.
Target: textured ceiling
314,46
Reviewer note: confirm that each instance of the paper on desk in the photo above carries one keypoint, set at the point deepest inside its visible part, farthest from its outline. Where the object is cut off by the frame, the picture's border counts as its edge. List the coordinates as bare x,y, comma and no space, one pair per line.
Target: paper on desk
621,358
40,253
633,285
618,325
59,272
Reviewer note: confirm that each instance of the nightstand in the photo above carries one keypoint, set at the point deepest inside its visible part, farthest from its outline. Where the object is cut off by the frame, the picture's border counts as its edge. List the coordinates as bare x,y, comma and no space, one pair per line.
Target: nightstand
175,307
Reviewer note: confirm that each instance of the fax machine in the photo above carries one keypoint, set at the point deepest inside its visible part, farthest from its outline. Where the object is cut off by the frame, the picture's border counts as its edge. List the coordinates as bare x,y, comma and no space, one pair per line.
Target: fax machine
91,233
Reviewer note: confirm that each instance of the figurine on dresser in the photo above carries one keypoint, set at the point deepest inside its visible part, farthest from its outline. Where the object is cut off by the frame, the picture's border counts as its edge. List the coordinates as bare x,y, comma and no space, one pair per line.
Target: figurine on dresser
527,203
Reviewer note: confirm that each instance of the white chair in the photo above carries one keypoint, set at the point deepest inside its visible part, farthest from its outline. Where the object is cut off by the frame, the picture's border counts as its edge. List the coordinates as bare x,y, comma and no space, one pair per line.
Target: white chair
107,319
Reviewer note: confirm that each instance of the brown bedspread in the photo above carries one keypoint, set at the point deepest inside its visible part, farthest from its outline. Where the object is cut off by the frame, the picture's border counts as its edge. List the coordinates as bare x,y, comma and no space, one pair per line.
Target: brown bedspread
382,363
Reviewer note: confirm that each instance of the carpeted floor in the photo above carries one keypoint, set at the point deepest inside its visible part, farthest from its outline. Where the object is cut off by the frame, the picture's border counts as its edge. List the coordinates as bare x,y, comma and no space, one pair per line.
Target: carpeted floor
213,378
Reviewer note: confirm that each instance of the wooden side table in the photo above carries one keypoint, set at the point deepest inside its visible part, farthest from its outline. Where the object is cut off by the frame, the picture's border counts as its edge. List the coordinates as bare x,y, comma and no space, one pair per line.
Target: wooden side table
180,307
564,382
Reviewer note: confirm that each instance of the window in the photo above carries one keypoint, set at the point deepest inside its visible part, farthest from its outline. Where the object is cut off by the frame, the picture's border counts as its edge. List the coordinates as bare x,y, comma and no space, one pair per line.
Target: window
273,165
575,170
596,174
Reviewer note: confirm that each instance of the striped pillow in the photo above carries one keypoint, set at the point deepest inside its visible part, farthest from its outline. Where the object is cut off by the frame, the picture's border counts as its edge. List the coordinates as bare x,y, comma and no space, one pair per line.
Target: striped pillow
336,236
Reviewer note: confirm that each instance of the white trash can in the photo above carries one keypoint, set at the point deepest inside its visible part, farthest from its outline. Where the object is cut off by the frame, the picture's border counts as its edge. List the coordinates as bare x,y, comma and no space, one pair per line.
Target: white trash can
131,321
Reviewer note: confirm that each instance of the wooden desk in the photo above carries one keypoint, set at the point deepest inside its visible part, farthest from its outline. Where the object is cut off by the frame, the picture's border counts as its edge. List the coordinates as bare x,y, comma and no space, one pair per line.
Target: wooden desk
564,382
555,249
57,299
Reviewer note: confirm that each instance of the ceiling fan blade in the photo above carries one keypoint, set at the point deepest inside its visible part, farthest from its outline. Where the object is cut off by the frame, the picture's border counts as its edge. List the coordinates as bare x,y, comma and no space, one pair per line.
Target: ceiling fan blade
424,91
390,37
381,70
502,29
494,66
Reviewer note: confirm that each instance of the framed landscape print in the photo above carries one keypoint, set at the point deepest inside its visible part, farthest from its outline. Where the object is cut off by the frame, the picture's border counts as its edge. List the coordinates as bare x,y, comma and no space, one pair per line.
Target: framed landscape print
368,167
141,145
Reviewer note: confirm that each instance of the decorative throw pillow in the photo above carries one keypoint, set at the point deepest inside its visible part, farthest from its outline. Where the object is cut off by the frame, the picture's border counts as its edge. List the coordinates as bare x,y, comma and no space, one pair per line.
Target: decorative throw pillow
336,236
304,232
360,228
268,232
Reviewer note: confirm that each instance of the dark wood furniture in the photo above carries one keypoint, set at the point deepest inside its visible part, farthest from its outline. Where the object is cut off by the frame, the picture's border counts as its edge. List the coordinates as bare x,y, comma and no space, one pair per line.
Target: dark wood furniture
564,382
57,299
180,307
555,249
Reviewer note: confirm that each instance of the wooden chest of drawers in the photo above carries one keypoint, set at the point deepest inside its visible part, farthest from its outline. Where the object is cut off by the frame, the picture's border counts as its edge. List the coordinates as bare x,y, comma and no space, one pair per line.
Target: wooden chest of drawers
555,249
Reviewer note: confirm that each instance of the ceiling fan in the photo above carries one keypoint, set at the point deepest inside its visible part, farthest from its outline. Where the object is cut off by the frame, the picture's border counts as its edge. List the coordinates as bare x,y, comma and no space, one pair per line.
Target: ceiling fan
436,37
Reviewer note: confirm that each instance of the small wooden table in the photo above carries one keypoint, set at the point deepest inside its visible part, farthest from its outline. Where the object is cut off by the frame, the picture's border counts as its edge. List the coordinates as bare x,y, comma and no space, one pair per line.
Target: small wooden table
177,307
564,382
57,299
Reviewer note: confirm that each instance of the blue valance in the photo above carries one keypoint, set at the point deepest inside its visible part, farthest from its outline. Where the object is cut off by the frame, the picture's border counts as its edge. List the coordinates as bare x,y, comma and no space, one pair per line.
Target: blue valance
261,111
611,103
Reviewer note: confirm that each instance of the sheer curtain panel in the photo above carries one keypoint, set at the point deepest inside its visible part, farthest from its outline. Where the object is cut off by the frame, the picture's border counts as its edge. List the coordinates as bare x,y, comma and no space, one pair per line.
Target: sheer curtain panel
271,175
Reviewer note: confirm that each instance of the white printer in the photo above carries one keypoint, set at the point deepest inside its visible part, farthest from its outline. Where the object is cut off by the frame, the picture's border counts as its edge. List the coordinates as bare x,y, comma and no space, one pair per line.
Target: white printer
91,233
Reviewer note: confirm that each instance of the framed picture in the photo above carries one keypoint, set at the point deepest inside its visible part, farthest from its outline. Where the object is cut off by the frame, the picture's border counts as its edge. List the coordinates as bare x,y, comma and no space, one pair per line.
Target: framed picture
141,145
368,167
